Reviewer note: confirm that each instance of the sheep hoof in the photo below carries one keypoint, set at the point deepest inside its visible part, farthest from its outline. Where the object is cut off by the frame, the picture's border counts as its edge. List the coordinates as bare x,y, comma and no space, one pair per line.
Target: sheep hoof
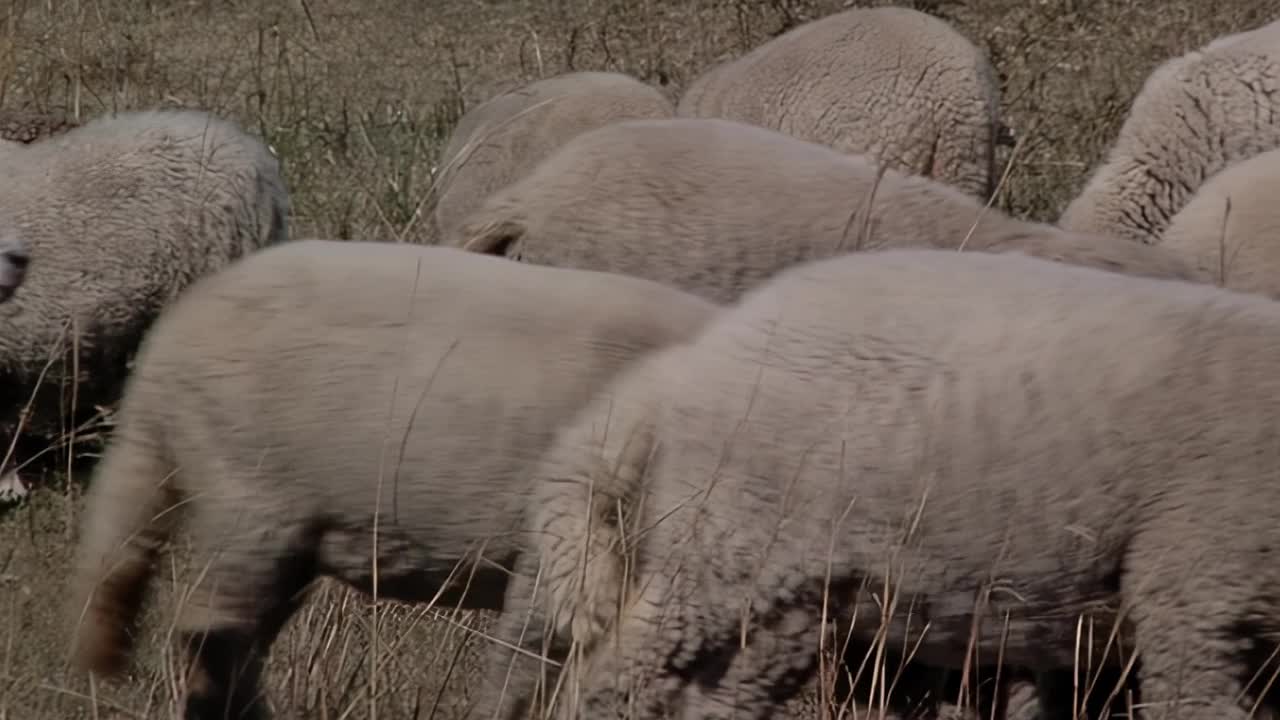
12,489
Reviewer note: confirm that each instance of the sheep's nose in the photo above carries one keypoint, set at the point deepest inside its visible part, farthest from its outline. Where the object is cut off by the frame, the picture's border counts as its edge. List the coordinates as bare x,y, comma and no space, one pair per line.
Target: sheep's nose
18,259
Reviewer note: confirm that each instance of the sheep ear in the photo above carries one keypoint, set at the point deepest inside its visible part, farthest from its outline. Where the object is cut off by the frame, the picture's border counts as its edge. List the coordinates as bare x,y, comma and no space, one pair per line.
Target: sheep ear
637,452
493,238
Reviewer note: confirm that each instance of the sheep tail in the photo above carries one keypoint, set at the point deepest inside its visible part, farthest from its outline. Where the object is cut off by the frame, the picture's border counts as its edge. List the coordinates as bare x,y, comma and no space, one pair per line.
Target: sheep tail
127,518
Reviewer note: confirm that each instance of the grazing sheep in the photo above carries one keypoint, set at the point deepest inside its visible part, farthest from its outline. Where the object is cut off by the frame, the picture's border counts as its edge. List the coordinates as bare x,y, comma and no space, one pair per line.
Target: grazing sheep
990,441
14,258
1230,228
716,207
26,126
500,140
120,215
318,391
891,82
1195,115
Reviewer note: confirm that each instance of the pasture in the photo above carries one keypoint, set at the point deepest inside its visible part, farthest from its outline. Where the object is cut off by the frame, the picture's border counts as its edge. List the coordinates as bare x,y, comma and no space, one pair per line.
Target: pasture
357,100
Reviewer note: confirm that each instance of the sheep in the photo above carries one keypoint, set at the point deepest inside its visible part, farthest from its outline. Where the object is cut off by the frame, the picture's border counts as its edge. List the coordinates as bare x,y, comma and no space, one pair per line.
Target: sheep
1195,115
14,258
27,126
1230,228
500,140
887,81
717,206
120,214
285,390
1014,440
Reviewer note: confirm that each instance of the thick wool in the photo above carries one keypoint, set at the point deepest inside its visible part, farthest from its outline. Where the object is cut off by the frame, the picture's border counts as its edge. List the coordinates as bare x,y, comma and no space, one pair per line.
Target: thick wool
991,441
890,82
120,215
1230,228
500,140
716,207
1195,115
314,391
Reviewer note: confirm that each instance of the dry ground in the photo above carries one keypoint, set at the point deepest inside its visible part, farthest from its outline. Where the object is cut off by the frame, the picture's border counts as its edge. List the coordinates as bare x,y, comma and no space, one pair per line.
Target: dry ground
357,98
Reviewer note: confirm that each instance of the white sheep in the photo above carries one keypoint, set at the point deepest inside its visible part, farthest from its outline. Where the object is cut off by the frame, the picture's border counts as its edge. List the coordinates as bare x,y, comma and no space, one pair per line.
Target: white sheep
1195,115
500,140
988,443
1230,228
891,82
716,207
317,393
120,214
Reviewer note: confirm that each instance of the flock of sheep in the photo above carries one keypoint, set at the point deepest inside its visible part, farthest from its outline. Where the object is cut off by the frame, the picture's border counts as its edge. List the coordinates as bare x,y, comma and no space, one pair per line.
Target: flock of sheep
739,383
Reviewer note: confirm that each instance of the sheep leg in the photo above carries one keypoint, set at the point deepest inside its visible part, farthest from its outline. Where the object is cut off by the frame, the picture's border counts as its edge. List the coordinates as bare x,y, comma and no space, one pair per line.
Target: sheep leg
246,591
1184,631
879,674
514,680
225,666
918,689
1055,693
226,662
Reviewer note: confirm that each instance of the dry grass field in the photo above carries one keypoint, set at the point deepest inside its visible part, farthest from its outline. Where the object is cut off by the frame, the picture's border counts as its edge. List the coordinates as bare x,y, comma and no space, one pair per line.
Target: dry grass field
357,98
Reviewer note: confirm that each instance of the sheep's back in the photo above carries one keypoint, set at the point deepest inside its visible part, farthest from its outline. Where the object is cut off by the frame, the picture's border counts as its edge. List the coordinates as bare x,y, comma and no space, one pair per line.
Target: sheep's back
442,372
1230,228
716,207
121,214
933,389
501,140
1195,115
890,82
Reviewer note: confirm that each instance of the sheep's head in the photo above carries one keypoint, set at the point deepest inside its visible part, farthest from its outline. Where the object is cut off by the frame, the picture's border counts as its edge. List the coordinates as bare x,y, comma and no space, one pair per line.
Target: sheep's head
14,257
590,551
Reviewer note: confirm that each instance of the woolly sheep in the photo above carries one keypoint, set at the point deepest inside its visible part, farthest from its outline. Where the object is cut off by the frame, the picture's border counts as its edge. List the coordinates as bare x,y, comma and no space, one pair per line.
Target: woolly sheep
1010,432
501,140
1195,115
716,206
313,387
888,81
14,258
120,215
1239,248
